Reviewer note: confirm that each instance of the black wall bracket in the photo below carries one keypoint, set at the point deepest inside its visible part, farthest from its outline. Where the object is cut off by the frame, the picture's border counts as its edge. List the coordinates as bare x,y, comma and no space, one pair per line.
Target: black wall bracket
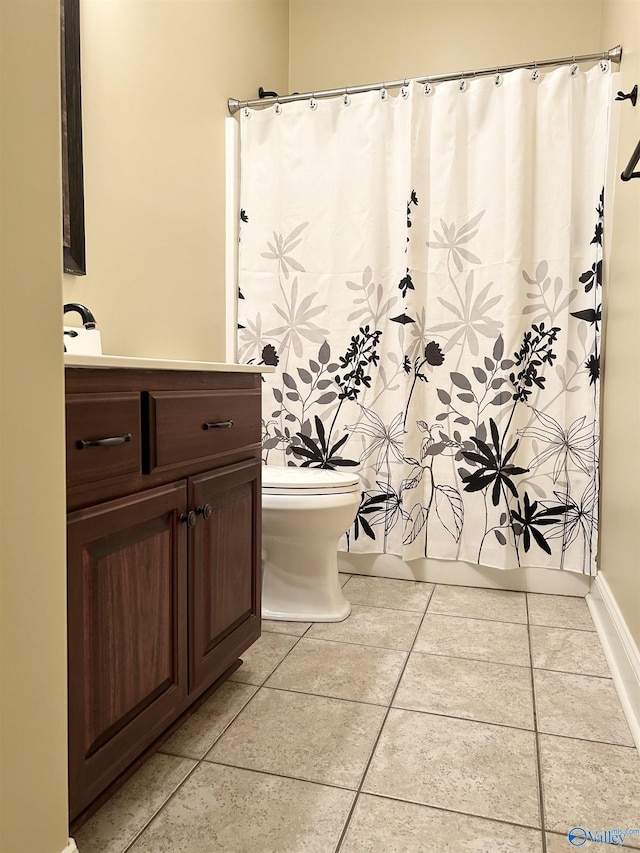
629,96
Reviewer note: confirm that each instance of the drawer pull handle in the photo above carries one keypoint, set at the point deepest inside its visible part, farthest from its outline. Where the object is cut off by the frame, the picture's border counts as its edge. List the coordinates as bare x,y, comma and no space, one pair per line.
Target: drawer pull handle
219,425
105,442
205,511
189,518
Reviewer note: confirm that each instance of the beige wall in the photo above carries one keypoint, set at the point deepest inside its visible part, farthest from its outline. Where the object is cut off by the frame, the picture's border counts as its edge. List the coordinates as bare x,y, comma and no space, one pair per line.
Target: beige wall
33,744
156,77
345,42
620,520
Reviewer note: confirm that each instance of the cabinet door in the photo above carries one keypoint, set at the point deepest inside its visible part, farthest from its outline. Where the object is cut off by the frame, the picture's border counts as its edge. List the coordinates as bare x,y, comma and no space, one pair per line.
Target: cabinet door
127,632
224,569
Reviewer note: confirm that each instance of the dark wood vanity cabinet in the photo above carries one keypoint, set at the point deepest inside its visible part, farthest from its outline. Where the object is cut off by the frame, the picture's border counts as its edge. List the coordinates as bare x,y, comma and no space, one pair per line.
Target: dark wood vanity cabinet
163,492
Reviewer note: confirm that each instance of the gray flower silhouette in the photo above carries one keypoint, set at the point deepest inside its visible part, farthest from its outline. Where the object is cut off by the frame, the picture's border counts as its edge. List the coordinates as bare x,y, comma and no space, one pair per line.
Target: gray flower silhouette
452,240
472,318
281,247
253,338
298,321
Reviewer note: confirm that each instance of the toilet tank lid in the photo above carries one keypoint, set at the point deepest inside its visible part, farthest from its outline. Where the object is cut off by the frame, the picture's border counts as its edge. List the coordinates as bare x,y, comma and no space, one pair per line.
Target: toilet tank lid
316,480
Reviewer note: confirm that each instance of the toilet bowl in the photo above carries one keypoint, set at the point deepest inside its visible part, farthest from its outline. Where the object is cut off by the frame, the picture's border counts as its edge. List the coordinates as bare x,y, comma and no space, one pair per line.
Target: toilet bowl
305,511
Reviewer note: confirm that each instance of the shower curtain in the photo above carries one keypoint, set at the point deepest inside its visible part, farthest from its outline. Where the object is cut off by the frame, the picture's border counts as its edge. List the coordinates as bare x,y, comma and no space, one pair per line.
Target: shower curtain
424,270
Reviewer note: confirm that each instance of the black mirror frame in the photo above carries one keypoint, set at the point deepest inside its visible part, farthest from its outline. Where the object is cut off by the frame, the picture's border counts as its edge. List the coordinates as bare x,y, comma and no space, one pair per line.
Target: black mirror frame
72,169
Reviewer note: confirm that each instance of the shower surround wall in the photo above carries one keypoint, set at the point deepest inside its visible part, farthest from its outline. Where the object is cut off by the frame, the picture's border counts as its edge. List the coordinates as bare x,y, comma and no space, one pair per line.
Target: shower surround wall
491,459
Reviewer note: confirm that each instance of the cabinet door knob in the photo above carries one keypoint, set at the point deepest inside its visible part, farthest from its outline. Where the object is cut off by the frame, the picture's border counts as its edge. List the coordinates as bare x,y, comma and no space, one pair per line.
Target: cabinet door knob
218,425
189,518
205,511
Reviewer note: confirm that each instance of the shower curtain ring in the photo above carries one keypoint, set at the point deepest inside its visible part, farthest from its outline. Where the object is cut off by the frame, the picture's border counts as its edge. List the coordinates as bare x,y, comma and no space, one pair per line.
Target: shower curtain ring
345,98
383,92
312,102
405,89
278,106
462,85
535,73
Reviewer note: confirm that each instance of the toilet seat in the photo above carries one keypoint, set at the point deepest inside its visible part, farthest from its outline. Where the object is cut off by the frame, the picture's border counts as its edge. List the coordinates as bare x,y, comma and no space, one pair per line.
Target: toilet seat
279,480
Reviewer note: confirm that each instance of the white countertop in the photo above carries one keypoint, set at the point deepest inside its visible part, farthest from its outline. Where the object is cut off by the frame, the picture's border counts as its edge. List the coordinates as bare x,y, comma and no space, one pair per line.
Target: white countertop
71,360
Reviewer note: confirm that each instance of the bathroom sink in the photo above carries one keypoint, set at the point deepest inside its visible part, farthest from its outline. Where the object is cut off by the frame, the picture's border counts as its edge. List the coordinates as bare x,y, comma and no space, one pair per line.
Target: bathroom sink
81,341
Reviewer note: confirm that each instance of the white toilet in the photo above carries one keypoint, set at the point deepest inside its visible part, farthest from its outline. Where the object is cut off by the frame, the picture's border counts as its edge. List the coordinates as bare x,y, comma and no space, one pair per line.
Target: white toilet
305,511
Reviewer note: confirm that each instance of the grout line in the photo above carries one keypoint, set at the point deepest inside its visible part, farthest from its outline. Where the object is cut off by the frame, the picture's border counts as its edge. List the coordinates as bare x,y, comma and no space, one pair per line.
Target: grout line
502,821
389,707
384,607
357,792
378,607
464,657
157,812
324,696
563,628
632,747
200,760
510,622
537,739
377,740
281,775
571,672
351,642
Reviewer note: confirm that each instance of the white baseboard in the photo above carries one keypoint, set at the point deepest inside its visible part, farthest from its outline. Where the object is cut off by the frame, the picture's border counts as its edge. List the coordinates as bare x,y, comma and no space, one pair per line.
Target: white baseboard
71,847
620,650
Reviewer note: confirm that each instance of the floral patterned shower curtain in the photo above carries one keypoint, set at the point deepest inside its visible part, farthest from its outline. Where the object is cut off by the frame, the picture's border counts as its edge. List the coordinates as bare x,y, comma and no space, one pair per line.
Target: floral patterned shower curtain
425,272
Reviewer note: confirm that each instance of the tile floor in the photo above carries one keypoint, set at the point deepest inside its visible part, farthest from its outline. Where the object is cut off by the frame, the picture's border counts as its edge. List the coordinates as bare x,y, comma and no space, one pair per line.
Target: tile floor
437,719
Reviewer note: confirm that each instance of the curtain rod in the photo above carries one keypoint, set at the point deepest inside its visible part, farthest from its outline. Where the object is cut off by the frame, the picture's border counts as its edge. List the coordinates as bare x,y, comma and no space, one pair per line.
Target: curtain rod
614,55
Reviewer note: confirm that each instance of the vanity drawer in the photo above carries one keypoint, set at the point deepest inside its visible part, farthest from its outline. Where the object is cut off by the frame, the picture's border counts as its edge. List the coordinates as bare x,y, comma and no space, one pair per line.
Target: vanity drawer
103,436
186,426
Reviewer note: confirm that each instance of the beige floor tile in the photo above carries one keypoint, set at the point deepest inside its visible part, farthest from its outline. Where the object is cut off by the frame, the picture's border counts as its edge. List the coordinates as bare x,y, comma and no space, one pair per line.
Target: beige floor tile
341,670
590,783
307,737
559,611
560,843
116,824
484,770
343,577
566,650
280,626
388,592
478,639
259,661
580,706
475,690
371,626
227,810
201,730
494,604
388,826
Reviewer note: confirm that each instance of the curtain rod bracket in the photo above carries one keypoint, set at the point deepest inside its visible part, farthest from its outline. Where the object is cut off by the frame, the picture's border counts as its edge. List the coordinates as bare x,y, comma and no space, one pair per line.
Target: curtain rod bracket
629,96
